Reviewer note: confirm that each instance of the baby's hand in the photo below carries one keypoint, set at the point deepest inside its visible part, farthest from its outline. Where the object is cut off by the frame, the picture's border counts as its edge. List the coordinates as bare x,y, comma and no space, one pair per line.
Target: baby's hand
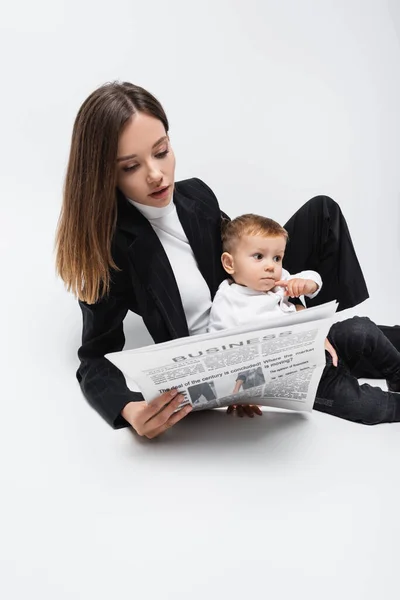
244,409
298,287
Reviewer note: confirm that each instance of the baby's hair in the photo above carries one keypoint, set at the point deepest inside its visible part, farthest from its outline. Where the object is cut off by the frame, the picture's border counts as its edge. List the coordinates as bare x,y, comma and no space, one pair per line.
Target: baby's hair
249,224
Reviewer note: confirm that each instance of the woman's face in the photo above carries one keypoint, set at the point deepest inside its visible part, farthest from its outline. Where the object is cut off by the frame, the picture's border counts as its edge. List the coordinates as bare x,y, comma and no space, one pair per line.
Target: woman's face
145,161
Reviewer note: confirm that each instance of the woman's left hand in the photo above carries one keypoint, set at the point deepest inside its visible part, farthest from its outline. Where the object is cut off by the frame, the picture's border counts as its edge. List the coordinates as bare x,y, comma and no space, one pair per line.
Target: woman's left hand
332,352
242,410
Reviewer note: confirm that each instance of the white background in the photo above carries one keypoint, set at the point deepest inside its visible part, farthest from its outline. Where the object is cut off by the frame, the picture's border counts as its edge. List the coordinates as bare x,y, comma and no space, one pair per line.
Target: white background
270,103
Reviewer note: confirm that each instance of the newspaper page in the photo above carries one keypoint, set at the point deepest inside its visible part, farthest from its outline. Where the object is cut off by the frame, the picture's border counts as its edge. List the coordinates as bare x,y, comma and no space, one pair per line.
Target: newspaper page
277,367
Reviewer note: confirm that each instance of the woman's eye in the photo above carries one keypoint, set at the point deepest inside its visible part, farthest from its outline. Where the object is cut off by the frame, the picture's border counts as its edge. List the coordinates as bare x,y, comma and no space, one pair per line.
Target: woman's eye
134,167
162,154
130,169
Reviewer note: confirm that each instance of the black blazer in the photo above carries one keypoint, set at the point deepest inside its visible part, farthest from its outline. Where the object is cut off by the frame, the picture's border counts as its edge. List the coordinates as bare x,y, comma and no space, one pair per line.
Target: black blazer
146,285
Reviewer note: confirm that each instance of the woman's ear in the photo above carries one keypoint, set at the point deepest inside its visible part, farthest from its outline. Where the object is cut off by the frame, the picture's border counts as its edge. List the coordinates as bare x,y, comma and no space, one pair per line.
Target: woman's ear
227,263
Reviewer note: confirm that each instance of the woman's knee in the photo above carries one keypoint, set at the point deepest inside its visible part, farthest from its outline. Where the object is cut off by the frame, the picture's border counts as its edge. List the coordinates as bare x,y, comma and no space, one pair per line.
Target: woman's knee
354,331
322,204
357,324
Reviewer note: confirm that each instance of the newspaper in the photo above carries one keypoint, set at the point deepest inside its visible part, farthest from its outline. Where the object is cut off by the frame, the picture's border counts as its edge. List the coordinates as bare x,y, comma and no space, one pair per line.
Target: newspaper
254,364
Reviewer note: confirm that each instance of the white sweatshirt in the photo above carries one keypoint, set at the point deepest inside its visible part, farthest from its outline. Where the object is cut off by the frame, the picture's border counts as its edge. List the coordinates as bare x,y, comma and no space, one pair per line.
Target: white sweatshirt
236,305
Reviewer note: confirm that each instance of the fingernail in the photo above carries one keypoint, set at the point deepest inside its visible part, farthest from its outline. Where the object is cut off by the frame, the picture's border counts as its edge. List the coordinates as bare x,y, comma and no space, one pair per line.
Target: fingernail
174,393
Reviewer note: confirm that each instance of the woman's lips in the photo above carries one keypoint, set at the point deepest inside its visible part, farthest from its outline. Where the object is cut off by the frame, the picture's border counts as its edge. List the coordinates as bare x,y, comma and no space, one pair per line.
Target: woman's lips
161,194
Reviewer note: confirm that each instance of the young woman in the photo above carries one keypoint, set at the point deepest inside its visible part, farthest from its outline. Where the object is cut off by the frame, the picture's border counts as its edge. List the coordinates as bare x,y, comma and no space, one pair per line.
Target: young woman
131,238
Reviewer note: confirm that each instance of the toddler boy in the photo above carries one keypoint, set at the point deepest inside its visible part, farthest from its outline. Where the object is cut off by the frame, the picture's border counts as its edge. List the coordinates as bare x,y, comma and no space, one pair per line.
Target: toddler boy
259,287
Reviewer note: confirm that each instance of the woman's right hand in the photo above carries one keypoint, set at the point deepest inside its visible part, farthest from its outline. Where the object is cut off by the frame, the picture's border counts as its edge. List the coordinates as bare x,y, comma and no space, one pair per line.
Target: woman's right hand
151,420
332,352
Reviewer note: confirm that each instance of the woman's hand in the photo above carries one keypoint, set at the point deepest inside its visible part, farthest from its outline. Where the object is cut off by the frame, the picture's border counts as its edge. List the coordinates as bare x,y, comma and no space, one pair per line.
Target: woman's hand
298,287
151,420
332,352
244,409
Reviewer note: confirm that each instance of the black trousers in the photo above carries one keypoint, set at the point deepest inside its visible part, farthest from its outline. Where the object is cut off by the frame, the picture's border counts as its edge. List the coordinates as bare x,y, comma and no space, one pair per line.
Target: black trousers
359,341
319,239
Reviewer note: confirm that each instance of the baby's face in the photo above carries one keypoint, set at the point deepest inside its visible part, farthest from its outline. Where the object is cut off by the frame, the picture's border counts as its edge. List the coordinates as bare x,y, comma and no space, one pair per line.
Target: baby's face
256,262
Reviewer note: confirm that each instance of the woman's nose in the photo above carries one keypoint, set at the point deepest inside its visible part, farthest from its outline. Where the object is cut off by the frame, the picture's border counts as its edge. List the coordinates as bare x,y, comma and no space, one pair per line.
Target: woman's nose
154,175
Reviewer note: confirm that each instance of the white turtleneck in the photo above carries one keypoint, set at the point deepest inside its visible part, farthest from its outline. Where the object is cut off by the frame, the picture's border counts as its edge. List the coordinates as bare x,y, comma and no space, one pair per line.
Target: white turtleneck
193,289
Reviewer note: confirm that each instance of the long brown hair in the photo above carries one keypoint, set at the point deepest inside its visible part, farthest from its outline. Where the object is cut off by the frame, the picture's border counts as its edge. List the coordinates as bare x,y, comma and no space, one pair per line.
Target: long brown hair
89,210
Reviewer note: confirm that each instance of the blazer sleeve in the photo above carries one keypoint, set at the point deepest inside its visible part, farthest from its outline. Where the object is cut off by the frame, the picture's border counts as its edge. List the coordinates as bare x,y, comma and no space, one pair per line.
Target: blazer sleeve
101,382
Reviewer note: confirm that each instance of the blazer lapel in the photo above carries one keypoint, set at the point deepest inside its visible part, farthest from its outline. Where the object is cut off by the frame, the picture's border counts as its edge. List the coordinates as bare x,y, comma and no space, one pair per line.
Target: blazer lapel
153,267
151,261
203,234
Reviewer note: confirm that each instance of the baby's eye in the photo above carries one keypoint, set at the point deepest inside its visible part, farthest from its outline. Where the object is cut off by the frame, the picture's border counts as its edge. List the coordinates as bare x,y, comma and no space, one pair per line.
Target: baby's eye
277,259
257,256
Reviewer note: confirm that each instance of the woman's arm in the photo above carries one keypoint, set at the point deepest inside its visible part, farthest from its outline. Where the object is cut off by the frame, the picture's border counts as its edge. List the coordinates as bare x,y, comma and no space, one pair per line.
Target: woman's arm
102,383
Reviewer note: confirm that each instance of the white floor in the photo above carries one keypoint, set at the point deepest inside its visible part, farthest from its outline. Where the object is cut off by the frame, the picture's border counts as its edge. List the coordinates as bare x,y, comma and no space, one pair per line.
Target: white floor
280,506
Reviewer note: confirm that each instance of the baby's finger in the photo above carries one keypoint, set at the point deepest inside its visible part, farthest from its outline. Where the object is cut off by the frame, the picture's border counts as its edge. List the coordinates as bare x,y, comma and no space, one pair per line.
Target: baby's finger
239,410
300,289
295,289
288,289
281,283
248,410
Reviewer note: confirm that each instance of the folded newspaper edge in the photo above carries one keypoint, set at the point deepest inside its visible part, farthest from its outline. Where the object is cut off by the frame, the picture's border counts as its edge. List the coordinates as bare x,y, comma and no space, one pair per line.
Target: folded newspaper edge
278,366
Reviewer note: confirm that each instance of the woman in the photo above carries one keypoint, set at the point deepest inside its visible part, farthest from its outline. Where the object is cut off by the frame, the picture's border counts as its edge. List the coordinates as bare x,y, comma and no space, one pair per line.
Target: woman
123,244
